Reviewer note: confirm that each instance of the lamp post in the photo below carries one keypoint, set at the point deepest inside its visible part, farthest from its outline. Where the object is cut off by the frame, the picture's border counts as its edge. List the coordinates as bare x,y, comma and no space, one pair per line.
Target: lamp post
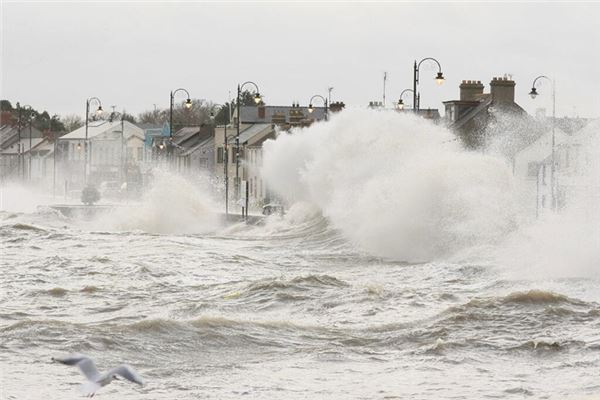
29,117
225,153
439,80
257,100
42,117
85,144
533,95
55,144
400,101
19,155
188,105
326,104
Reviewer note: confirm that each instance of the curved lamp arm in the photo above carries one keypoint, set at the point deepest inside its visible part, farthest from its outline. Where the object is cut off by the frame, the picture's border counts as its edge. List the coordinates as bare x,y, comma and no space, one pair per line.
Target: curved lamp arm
257,98
316,96
439,78
534,92
432,59
89,101
188,101
400,101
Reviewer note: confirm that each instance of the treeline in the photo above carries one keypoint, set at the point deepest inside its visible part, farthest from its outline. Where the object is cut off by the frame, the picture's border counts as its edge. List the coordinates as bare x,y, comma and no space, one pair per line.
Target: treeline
201,112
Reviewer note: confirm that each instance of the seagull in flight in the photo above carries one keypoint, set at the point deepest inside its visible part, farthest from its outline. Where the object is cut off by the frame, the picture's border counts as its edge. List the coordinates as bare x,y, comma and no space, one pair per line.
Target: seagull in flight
95,379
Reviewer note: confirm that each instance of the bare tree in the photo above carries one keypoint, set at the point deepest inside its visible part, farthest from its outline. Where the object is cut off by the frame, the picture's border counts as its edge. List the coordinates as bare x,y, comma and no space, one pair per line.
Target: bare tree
154,117
196,115
71,122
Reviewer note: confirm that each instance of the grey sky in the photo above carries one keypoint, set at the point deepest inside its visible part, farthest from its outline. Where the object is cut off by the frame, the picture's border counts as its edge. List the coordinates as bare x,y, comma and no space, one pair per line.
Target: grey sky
55,55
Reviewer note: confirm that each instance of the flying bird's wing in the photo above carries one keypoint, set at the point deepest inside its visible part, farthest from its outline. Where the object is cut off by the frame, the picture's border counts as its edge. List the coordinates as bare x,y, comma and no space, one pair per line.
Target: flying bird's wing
87,368
71,359
85,364
128,373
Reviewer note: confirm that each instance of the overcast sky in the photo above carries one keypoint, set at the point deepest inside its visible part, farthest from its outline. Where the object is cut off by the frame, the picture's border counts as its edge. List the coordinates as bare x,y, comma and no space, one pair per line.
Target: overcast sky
56,54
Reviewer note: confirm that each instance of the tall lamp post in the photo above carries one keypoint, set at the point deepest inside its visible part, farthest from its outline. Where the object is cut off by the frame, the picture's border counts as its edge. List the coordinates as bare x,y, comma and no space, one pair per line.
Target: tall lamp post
257,100
86,145
55,144
188,105
400,101
439,80
533,95
326,104
225,153
19,141
29,119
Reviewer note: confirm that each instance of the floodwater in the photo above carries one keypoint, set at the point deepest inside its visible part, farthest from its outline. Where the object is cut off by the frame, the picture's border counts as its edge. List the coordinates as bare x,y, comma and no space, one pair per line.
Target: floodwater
284,311
404,269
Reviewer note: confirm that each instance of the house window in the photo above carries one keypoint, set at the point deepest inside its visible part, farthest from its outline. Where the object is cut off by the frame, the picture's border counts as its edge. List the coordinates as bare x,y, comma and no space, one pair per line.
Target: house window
139,153
219,155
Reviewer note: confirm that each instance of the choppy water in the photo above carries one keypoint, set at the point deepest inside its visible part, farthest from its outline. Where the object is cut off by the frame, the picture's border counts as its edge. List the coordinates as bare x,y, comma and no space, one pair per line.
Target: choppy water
281,312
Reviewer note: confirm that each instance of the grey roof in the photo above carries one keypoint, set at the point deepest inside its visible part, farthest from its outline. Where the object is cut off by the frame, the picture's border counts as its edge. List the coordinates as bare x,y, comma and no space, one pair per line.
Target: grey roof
185,134
96,128
253,130
189,137
9,134
472,113
208,141
249,114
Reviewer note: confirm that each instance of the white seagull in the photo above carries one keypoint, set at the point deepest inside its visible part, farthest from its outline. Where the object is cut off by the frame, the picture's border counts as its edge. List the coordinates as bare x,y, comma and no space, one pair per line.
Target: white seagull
95,380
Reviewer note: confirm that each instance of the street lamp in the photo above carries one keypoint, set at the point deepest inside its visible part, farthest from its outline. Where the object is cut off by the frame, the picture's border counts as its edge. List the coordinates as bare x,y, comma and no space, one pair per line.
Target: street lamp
19,160
257,100
439,79
225,152
87,118
188,105
400,101
533,95
55,145
29,118
20,147
326,104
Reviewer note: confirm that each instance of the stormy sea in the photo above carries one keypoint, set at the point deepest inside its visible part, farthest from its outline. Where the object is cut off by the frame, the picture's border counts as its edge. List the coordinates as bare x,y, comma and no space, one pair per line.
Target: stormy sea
405,270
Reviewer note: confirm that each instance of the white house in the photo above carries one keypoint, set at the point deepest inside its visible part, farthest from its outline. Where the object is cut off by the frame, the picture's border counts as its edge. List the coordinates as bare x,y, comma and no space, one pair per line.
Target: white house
528,168
577,170
115,151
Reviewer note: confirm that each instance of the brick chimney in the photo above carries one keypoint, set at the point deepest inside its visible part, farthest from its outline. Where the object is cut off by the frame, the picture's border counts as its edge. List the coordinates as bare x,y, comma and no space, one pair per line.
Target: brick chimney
470,90
503,90
7,118
261,111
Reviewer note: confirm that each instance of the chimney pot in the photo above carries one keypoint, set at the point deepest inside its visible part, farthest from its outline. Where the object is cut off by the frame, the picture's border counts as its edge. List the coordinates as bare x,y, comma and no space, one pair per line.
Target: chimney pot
470,90
502,91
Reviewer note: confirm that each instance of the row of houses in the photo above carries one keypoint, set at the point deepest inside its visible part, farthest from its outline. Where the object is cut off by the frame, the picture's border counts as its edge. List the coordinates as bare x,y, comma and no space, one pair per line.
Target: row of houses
119,157
122,155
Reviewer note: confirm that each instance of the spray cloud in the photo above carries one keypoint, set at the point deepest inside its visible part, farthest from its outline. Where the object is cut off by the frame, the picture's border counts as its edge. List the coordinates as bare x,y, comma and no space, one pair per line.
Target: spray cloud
394,184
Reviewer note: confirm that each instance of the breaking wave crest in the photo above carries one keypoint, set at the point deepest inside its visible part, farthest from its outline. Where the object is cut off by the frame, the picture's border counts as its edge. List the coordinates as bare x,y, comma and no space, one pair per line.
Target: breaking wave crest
396,185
